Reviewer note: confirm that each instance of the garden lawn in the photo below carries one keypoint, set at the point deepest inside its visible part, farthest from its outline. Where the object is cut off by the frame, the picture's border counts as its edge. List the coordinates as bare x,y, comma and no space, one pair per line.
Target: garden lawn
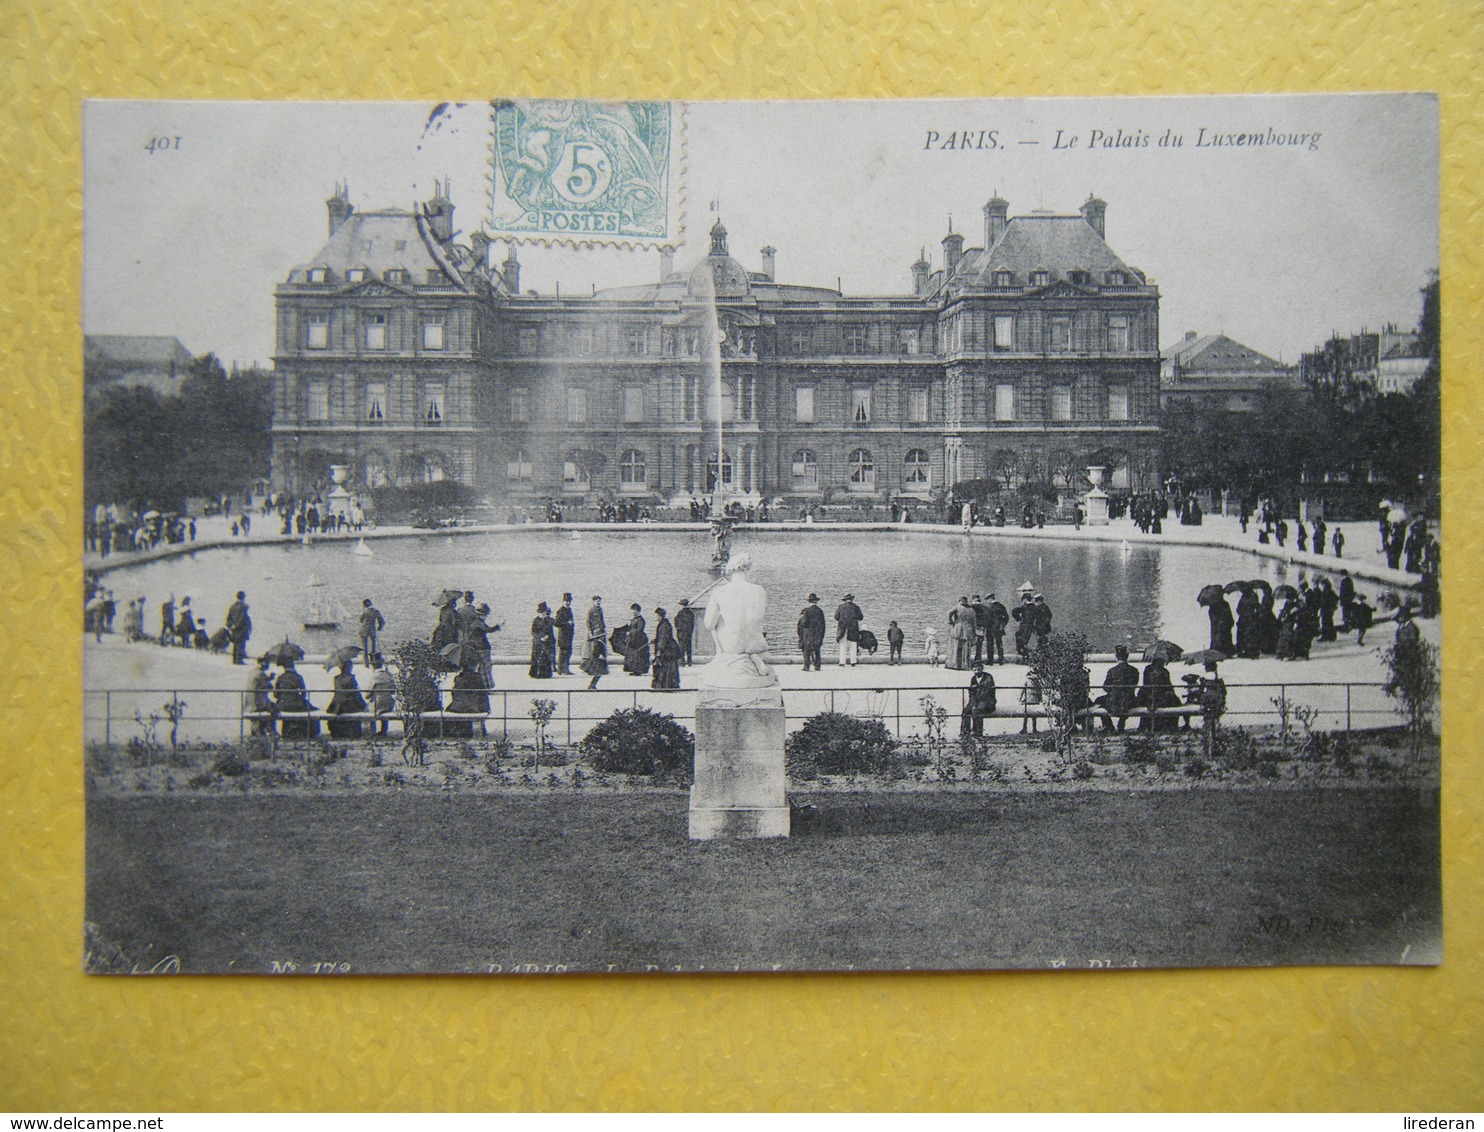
418,881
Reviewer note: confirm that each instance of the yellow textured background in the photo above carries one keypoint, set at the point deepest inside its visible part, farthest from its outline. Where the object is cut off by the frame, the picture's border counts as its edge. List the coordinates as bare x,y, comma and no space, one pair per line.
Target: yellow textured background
1290,1039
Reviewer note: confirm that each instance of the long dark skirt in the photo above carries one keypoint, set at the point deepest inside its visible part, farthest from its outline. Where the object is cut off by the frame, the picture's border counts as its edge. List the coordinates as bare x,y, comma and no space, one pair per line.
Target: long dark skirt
295,726
541,658
595,659
344,728
636,660
666,676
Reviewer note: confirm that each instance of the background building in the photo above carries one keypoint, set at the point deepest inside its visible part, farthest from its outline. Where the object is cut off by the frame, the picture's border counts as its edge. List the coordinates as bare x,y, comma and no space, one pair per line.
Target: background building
1213,371
155,361
412,358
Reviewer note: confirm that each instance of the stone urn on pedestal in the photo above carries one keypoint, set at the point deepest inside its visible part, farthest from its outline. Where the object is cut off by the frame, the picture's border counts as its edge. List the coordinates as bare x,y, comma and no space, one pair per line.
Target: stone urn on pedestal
338,501
1096,500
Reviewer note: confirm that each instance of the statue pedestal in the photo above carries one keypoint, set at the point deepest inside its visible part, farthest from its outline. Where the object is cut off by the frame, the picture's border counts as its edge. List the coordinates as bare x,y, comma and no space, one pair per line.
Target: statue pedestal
740,787
1096,503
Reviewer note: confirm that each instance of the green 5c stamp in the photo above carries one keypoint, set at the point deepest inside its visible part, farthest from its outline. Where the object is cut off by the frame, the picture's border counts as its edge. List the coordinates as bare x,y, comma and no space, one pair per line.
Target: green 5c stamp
579,171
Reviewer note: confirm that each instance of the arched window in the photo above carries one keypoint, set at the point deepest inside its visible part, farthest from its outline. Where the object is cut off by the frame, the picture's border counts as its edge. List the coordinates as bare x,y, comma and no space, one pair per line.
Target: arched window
377,474
631,471
918,469
806,470
435,468
862,471
519,469
574,472
726,470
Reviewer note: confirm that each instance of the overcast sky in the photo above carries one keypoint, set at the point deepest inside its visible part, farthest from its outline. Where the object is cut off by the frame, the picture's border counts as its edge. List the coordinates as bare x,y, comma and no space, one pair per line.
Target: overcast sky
1274,246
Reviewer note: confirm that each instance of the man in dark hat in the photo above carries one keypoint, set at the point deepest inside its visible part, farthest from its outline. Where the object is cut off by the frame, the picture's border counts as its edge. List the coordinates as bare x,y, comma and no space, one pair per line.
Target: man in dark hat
999,619
685,630
1120,690
259,686
811,631
372,622
595,651
1043,621
564,621
981,626
848,618
239,628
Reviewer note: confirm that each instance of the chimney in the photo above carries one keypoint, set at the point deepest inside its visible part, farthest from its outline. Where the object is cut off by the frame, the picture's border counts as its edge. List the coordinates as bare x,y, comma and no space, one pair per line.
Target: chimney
510,271
667,263
1094,211
770,262
996,220
339,207
920,272
953,249
480,242
439,212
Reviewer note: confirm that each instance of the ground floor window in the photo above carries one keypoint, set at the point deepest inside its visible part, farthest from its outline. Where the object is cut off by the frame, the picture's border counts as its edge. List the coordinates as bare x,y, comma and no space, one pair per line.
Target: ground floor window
519,469
806,470
862,471
631,469
918,470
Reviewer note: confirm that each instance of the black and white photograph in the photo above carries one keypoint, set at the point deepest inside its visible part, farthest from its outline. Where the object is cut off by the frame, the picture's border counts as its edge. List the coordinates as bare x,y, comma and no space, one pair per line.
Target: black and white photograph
562,536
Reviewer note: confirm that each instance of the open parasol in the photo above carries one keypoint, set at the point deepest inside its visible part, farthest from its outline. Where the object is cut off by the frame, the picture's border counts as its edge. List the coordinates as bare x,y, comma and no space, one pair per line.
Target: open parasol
1207,656
460,654
285,652
446,596
1285,591
1163,650
1027,588
341,654
1235,587
1209,595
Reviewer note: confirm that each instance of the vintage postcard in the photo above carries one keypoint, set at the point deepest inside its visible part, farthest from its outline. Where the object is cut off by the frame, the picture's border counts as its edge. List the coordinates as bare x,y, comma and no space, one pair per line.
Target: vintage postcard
546,536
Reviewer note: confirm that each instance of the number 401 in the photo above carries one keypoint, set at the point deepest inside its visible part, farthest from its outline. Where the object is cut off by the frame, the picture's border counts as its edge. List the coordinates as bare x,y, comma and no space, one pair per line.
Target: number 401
160,145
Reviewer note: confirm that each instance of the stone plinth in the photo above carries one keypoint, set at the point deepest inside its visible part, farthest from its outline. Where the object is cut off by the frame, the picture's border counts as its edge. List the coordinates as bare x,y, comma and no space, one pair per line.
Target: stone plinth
1096,500
740,787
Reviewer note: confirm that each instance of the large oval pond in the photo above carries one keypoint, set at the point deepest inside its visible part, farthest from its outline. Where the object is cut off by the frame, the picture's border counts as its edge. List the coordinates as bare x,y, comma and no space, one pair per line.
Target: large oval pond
915,578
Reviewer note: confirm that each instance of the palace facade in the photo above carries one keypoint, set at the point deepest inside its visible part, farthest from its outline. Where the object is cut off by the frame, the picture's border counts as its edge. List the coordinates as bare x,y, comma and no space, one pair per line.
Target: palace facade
411,357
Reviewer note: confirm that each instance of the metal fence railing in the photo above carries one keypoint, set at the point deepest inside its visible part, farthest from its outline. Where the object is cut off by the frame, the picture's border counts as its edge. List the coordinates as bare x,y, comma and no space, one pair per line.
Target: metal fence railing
116,715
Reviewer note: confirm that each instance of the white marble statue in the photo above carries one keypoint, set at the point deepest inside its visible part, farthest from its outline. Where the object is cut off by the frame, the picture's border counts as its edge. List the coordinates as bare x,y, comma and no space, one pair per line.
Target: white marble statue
734,616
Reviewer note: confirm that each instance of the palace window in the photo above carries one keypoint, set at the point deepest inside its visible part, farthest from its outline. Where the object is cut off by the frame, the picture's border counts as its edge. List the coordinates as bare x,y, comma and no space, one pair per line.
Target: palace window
319,275
1040,278
1081,278
584,341
862,471
747,397
519,470
1061,332
1004,332
691,398
377,474
528,339
633,404
317,332
636,339
1004,279
1118,336
432,405
1004,401
911,339
397,275
317,401
918,469
376,331
804,404
860,405
1117,279
1118,402
631,471
800,340
520,405
857,334
433,332
917,404
576,406
1061,402
356,275
375,402
726,470
574,473
806,469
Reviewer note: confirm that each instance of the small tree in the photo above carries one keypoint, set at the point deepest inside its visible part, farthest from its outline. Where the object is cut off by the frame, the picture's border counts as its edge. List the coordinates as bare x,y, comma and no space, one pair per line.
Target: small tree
415,667
1412,667
1061,667
541,713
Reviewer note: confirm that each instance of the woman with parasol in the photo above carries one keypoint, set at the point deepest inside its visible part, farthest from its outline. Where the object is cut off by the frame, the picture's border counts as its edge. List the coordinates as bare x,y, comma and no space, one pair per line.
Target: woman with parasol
290,696
1248,640
347,699
1157,690
470,695
447,630
1290,623
1214,598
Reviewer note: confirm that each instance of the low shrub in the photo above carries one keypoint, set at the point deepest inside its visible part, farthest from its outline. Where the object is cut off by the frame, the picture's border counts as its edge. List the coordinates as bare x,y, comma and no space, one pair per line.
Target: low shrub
834,743
230,763
1082,770
641,741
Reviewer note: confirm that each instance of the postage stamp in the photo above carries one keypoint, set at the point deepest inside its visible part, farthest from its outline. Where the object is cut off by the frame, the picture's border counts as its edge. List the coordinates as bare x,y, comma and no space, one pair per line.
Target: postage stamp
588,172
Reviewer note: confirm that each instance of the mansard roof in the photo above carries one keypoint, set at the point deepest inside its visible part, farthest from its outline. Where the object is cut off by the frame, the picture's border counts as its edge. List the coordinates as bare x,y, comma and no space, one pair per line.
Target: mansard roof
382,241
1057,245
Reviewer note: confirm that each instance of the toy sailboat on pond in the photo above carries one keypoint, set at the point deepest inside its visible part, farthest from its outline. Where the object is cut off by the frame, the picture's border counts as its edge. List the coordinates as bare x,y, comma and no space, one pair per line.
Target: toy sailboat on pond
322,612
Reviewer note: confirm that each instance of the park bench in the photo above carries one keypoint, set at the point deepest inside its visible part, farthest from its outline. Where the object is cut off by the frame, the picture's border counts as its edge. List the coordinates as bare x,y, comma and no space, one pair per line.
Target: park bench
435,718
